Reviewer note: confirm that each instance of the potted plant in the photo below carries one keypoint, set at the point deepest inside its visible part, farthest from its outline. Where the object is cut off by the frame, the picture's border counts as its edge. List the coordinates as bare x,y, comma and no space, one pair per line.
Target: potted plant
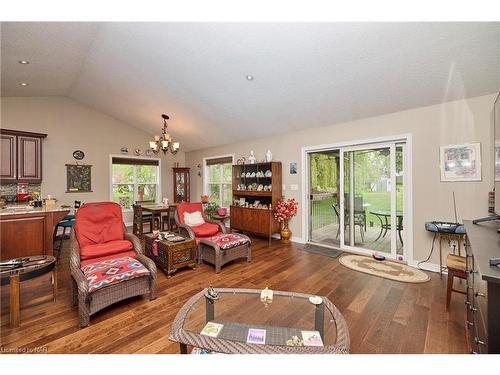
211,209
285,210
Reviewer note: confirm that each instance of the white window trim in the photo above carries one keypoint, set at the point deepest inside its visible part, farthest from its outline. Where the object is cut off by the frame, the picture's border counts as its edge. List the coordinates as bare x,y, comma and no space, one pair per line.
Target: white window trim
205,169
110,173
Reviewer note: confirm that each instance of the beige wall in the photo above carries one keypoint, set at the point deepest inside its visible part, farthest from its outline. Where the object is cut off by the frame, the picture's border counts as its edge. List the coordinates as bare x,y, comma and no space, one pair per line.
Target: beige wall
463,121
71,126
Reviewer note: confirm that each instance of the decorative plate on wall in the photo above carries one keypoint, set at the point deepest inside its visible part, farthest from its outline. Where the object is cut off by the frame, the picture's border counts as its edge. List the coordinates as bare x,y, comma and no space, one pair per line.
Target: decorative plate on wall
78,154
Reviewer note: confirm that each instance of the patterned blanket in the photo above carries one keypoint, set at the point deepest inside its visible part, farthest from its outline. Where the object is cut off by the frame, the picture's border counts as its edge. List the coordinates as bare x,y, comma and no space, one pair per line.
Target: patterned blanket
112,271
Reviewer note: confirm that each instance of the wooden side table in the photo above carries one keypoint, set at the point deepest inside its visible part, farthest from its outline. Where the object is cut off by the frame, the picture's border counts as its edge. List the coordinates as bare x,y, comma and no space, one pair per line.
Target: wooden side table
30,268
172,255
222,219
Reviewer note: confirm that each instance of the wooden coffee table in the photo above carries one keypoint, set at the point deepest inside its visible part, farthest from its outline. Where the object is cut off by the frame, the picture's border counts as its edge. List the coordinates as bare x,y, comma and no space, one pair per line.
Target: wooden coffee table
29,268
172,255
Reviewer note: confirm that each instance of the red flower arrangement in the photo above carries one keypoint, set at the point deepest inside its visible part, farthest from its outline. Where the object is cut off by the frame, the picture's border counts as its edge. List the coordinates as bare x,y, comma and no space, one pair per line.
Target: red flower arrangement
285,210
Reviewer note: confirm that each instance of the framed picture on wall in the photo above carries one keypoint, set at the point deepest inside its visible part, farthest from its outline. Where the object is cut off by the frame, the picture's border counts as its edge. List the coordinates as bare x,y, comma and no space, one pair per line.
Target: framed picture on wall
78,178
460,162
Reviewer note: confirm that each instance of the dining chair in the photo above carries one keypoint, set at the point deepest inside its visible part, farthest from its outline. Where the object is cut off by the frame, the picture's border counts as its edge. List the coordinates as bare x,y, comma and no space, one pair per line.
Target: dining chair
140,219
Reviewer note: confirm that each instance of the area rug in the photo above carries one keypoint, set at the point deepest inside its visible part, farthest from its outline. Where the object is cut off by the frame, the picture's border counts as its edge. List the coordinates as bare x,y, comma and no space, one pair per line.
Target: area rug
386,269
321,250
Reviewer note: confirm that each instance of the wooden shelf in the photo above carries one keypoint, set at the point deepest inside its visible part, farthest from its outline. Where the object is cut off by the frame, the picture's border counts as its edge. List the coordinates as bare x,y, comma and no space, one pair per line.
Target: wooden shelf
256,220
252,208
253,193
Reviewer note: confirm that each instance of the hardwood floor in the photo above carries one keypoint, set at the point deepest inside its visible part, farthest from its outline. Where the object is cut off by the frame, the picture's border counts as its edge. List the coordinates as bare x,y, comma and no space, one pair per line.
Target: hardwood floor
383,316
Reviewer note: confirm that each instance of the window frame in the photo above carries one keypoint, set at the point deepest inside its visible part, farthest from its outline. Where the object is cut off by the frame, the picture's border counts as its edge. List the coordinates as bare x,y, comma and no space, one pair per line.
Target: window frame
206,182
135,183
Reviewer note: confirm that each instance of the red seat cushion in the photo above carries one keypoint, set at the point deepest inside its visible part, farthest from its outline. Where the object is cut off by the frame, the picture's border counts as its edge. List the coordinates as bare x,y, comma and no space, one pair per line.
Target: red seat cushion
229,240
130,254
205,230
112,271
98,223
104,249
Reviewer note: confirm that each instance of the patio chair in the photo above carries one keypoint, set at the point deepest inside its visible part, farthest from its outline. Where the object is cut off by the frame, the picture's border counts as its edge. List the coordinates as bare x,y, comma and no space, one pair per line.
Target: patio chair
359,220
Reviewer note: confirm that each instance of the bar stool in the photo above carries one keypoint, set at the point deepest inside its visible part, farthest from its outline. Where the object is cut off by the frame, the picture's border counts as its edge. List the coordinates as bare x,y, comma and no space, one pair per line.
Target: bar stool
456,268
65,223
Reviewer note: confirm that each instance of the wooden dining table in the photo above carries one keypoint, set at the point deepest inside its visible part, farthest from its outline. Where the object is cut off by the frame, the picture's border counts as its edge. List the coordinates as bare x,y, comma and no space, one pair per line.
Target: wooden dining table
157,210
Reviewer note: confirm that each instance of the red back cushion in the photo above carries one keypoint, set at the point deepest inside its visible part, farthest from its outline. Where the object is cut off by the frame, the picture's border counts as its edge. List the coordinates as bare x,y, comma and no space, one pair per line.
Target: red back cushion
188,207
98,223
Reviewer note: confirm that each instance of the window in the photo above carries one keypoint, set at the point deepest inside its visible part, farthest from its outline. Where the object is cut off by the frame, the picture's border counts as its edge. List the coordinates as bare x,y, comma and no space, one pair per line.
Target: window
218,180
134,180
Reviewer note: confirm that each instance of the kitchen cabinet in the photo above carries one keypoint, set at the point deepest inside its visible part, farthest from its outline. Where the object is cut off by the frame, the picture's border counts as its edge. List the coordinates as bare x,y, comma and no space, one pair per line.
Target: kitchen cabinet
8,166
21,156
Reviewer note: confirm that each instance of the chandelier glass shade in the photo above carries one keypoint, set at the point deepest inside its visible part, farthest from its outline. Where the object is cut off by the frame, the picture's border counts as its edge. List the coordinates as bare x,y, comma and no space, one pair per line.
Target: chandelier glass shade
164,142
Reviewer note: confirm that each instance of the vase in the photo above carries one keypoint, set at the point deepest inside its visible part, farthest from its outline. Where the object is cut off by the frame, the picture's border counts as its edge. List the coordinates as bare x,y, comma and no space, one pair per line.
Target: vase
286,233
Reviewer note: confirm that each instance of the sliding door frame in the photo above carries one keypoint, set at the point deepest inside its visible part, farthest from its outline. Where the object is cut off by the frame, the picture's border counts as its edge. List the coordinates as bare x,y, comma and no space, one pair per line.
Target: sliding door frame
407,178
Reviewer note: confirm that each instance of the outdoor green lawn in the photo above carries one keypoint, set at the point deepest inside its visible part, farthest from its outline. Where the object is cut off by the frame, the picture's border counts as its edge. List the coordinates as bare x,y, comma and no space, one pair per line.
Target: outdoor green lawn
323,213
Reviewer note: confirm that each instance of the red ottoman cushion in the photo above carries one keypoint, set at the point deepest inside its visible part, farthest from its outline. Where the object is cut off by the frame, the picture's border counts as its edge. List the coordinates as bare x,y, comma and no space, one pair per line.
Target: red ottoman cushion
228,241
205,230
112,271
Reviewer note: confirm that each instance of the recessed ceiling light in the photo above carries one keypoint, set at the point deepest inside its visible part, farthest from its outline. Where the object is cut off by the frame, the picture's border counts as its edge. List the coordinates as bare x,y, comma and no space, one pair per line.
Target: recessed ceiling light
24,84
249,77
24,62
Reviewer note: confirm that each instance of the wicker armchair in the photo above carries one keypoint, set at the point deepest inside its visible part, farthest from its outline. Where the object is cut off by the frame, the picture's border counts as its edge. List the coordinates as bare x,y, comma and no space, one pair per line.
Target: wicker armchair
91,302
185,230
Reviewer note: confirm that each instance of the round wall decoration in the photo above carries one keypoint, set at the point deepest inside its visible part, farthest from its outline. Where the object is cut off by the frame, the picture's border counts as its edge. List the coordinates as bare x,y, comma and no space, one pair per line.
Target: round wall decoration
78,154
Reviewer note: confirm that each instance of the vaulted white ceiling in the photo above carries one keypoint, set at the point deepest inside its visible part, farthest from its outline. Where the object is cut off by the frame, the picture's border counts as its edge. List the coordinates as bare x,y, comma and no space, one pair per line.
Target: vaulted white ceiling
305,74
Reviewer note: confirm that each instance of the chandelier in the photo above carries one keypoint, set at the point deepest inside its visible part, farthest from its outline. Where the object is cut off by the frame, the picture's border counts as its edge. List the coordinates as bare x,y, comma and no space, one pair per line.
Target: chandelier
164,142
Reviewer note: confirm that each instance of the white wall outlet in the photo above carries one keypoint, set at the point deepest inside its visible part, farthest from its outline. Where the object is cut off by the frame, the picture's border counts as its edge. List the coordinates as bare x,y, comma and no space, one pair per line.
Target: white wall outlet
294,187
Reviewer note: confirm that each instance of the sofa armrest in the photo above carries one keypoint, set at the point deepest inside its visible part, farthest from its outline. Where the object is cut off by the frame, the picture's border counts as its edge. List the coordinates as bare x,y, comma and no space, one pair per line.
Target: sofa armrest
148,263
74,252
135,242
186,230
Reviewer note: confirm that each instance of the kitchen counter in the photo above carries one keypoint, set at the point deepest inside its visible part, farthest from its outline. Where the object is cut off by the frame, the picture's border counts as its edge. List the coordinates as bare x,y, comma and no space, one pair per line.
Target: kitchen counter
27,231
27,209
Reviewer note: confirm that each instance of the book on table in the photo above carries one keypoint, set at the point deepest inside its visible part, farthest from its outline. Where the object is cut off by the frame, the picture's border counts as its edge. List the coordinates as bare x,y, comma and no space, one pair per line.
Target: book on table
312,338
212,329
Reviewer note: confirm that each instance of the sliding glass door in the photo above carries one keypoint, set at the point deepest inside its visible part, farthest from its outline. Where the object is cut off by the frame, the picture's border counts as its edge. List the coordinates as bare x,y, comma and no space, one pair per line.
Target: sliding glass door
356,198
372,198
324,205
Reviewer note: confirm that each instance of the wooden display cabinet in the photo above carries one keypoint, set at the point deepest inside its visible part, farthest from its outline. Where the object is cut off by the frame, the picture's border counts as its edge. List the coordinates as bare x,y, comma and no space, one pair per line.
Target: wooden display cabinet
181,184
259,221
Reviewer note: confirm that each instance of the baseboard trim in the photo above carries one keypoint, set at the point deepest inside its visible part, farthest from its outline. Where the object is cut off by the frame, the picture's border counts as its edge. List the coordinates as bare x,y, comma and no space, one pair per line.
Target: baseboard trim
297,240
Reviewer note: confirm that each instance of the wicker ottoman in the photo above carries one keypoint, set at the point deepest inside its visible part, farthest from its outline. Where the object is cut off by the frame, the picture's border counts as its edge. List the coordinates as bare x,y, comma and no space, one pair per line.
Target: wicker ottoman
223,248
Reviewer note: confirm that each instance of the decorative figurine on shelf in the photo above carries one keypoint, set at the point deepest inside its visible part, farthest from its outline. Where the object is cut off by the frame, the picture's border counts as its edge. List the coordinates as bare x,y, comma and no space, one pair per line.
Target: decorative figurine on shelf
269,156
240,161
211,294
251,158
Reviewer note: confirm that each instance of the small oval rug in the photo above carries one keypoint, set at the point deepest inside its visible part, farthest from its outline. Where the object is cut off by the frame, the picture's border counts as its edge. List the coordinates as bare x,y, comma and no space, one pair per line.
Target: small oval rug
386,269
